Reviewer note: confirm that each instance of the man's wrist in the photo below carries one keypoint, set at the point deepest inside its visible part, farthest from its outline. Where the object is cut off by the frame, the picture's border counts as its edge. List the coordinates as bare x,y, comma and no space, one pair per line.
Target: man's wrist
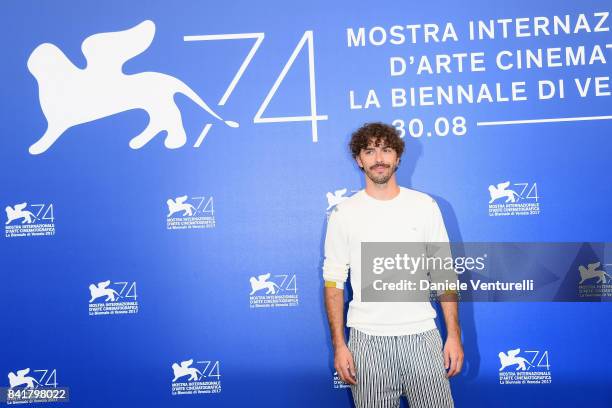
339,344
453,335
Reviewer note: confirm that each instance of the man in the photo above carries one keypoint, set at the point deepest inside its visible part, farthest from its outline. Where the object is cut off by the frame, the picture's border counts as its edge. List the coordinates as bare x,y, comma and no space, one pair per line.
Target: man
394,348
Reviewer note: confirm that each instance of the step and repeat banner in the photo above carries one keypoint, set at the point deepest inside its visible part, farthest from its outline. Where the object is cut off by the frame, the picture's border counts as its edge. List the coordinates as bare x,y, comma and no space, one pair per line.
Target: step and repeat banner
168,169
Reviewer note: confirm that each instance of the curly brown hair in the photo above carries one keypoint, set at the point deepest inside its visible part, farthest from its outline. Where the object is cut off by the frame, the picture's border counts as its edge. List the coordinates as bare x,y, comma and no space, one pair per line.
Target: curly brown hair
378,133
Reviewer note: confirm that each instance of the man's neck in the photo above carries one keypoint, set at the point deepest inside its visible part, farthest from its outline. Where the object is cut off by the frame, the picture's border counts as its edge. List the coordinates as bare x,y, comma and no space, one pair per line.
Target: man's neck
387,191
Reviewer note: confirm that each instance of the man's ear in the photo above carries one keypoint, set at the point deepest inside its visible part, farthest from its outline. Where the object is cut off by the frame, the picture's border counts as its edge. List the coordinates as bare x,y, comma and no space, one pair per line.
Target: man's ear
358,159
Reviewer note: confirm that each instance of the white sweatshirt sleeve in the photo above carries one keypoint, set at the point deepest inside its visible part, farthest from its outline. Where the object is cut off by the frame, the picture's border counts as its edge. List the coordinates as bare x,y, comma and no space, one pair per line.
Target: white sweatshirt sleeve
439,246
437,231
337,258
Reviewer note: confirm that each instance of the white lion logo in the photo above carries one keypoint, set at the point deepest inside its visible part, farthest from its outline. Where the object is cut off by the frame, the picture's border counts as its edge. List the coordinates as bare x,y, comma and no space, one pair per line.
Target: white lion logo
500,191
262,283
70,96
184,369
511,358
179,204
336,198
20,378
18,212
101,290
592,272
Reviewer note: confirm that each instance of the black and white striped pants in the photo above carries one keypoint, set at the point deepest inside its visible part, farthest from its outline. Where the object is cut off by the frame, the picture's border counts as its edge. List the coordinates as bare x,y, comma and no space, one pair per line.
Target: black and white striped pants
388,367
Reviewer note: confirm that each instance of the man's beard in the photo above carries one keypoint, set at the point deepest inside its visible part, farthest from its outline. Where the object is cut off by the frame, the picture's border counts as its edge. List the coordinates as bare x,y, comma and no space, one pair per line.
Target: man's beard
380,178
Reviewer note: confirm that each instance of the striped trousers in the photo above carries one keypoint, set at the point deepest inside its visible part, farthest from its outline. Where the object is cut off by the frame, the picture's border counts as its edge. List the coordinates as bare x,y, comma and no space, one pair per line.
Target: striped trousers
388,367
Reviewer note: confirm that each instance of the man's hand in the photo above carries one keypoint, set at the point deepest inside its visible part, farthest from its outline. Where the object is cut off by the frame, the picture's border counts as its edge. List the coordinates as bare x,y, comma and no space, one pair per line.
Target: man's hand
453,356
344,365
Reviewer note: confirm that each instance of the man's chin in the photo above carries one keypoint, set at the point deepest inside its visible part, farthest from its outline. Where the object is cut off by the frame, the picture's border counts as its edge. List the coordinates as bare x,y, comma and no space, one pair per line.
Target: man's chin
379,179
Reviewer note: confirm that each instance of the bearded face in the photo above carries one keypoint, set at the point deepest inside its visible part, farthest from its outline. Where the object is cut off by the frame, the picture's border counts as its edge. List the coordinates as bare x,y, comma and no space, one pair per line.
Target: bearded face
378,162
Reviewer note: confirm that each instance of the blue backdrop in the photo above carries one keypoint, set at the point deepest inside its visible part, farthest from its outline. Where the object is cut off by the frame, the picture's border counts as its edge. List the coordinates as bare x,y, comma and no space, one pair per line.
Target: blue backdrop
127,268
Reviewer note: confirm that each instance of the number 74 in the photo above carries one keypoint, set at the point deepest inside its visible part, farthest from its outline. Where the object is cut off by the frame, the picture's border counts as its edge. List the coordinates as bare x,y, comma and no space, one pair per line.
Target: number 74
307,38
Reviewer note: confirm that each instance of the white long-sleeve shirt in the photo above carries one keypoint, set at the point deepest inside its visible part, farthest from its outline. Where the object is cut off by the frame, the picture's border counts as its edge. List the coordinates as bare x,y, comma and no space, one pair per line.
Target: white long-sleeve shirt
411,216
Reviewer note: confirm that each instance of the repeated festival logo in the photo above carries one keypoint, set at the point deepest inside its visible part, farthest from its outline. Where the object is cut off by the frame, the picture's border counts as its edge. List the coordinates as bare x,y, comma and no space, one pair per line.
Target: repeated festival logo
595,281
190,213
33,385
270,291
113,298
196,377
527,367
29,220
514,199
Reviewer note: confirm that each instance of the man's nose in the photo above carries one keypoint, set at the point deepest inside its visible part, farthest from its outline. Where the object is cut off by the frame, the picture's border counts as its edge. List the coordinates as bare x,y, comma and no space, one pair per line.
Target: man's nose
379,156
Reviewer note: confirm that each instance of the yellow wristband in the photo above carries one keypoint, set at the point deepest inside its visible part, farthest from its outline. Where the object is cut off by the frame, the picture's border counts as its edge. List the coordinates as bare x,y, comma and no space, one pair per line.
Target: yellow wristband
332,284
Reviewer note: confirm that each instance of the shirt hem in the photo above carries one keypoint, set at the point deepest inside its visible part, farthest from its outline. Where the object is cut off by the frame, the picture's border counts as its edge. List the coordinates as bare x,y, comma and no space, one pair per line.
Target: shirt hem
397,330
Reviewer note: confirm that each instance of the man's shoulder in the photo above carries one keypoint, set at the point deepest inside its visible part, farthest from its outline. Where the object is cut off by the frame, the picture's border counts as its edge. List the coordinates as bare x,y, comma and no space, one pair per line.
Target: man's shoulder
417,197
349,203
